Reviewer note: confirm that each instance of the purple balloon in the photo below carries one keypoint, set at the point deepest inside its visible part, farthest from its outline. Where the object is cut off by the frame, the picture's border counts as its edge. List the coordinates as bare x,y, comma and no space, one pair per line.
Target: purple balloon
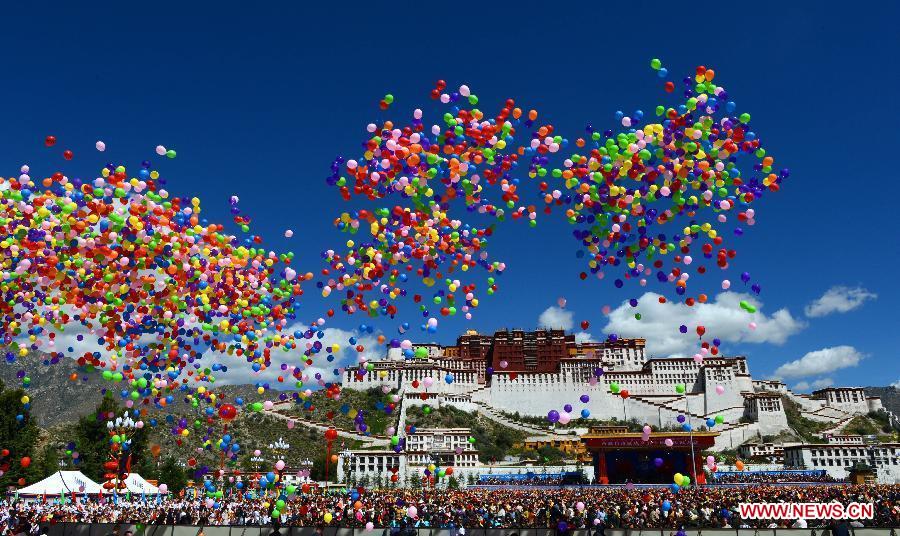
568,408
585,399
658,462
681,418
553,416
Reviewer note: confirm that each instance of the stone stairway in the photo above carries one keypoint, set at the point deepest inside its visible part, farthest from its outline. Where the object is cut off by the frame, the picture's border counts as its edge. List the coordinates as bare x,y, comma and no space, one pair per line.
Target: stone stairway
369,440
499,418
838,426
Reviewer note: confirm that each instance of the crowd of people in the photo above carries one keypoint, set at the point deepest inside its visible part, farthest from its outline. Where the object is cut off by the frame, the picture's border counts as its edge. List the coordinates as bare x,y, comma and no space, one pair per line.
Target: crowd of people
745,477
527,481
563,508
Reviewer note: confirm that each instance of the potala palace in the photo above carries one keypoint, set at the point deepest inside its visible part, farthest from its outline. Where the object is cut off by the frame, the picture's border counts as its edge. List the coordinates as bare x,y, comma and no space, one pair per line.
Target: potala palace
531,373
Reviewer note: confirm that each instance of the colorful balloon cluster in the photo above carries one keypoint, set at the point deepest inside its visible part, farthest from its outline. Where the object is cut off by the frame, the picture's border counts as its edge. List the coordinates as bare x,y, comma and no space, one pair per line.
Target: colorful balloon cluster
123,264
620,190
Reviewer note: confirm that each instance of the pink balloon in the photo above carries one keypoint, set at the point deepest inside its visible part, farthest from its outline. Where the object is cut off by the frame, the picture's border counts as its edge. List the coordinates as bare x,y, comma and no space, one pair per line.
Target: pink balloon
669,442
370,526
279,465
720,389
412,511
752,325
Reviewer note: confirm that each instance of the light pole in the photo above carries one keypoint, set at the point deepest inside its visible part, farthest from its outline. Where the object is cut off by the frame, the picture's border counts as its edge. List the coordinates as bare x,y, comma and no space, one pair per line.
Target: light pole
120,431
687,416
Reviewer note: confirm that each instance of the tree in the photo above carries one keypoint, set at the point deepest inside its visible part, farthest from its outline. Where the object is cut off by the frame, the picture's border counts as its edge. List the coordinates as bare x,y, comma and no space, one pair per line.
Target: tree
318,469
47,462
415,482
452,482
172,475
18,434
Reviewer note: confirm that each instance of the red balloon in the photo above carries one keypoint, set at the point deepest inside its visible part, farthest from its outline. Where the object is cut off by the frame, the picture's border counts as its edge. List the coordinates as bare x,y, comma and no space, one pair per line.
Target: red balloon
227,412
25,462
624,393
67,154
5,452
701,330
585,324
415,384
50,141
330,434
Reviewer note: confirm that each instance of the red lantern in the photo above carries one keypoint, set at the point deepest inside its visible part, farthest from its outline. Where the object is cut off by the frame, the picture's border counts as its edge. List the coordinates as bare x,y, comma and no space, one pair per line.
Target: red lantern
330,434
227,412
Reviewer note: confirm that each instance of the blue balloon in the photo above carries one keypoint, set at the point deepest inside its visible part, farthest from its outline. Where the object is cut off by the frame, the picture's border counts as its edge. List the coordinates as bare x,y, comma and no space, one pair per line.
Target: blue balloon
585,414
666,505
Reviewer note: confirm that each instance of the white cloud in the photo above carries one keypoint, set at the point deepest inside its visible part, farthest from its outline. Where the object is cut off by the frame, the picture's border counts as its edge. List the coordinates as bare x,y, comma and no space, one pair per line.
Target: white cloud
723,319
839,300
584,336
896,384
816,384
820,362
241,372
556,318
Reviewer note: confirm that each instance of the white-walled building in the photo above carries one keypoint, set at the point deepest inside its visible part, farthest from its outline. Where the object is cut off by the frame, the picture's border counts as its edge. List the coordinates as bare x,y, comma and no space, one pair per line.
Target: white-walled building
838,458
445,447
355,465
532,373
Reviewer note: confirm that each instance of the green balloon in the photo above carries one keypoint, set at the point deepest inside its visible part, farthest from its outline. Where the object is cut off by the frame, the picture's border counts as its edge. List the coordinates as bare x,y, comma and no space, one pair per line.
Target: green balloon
720,419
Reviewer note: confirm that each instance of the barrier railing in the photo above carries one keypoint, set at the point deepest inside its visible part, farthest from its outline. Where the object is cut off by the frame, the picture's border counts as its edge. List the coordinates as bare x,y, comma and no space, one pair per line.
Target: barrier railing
125,529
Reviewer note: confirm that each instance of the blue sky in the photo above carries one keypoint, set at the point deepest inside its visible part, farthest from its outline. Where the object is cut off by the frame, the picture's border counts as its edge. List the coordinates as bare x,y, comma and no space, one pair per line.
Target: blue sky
258,100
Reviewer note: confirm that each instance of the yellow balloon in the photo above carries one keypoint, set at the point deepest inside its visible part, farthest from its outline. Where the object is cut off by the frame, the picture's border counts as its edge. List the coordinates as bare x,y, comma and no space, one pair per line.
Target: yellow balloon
328,517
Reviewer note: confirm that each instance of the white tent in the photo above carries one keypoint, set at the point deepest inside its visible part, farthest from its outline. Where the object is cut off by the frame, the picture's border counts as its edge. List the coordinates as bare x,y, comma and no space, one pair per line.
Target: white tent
135,483
62,483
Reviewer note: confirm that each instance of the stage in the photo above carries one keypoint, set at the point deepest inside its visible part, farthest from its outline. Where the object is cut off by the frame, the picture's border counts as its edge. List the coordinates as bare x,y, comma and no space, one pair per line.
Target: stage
620,456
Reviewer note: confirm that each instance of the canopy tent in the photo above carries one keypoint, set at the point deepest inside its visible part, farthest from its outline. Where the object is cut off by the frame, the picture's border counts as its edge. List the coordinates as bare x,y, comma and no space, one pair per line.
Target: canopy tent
62,483
135,483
